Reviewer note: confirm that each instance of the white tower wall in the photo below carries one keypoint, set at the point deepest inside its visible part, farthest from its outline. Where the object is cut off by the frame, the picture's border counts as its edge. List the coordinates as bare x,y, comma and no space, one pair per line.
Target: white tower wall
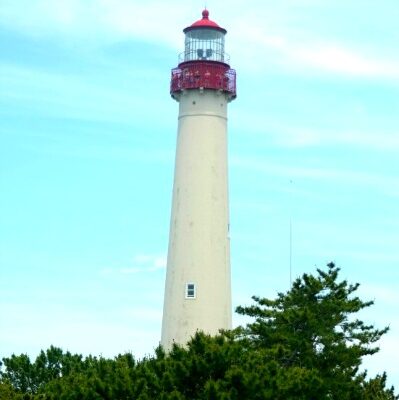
199,249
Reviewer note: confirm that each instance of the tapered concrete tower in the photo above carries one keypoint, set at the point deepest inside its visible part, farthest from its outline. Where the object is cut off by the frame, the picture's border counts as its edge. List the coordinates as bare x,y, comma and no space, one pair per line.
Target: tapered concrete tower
197,289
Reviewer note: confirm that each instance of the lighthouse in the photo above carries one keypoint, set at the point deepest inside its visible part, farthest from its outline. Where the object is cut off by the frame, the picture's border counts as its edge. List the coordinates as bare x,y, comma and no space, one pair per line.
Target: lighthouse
198,282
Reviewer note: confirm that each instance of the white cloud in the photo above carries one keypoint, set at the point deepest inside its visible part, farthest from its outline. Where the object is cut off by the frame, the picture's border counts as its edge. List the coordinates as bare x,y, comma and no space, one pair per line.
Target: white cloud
384,183
308,137
384,294
149,315
317,55
338,59
141,263
385,359
104,19
270,38
283,41
79,330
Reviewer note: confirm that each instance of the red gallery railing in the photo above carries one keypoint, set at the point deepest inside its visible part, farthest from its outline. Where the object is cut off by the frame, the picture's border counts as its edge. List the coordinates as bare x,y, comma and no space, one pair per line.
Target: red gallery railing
203,75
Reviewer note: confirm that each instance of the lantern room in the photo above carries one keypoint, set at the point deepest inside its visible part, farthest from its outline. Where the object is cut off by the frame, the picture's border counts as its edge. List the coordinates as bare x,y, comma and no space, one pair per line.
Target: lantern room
204,40
204,63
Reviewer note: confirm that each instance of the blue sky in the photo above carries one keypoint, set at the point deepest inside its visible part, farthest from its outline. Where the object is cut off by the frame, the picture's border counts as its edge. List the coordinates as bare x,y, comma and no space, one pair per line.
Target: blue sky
87,142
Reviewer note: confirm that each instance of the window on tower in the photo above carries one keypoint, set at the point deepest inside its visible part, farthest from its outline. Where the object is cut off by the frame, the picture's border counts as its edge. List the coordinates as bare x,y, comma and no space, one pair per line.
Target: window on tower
190,291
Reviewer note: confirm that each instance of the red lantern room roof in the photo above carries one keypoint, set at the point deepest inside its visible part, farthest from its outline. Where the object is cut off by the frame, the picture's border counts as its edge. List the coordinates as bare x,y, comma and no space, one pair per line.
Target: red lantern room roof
204,22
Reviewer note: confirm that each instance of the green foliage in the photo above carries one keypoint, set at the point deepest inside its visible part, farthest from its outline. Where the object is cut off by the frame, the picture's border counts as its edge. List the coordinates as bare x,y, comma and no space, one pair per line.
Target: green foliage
312,327
27,377
7,392
374,389
305,344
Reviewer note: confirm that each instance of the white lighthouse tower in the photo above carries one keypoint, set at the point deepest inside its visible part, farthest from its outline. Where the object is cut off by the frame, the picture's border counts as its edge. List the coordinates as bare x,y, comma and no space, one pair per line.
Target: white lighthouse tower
198,289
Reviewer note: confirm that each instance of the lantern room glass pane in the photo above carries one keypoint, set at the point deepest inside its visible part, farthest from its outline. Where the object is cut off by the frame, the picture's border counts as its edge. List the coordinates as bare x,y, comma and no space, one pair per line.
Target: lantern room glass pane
204,44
